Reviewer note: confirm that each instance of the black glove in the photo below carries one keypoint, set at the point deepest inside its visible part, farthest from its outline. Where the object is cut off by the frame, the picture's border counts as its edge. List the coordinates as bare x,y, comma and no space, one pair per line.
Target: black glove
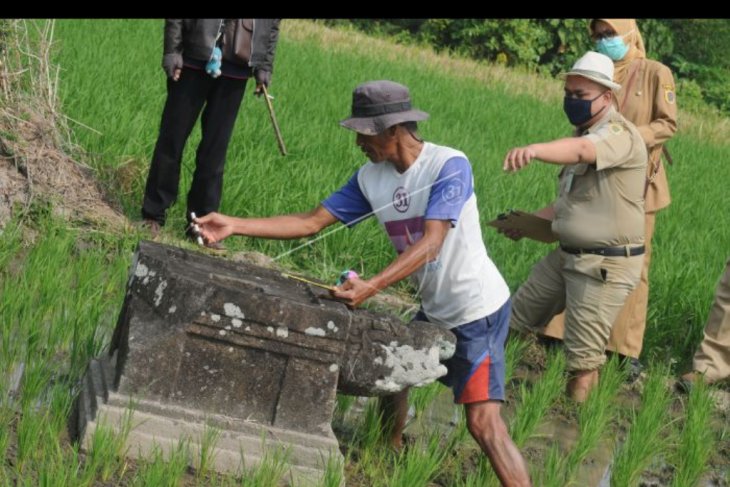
263,77
171,62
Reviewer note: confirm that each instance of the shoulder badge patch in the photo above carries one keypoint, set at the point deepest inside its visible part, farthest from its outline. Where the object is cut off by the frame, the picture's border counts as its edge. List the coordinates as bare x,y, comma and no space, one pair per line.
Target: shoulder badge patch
669,95
615,127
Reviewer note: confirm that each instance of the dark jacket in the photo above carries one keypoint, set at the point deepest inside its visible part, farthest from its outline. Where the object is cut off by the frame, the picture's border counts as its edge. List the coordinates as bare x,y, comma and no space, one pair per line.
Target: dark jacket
195,39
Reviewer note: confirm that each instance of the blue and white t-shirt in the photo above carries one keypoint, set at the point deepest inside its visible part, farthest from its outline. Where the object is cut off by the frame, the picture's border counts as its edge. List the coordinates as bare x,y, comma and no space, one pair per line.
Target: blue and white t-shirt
462,284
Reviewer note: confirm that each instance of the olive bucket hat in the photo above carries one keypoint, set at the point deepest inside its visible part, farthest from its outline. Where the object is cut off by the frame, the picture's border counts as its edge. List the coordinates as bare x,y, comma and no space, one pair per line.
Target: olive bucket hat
377,105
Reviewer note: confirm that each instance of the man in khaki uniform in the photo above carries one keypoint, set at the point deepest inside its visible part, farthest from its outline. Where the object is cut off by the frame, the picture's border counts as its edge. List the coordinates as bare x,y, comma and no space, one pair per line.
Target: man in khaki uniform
712,359
646,99
598,218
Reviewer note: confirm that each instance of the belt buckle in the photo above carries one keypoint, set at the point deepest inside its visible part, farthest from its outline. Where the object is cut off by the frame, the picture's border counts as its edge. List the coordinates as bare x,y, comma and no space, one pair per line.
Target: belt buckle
628,251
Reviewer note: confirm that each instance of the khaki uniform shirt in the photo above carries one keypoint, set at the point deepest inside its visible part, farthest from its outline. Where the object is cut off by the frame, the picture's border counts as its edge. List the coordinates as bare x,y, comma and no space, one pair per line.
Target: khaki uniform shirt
602,204
647,99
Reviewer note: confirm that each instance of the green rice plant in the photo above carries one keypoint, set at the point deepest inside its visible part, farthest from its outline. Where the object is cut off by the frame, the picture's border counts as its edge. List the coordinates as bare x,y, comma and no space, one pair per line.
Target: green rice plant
536,400
596,414
369,435
270,471
207,442
594,418
696,441
59,471
421,397
333,472
461,430
343,403
106,456
29,437
368,441
10,243
553,472
164,470
6,417
513,352
419,464
482,475
645,439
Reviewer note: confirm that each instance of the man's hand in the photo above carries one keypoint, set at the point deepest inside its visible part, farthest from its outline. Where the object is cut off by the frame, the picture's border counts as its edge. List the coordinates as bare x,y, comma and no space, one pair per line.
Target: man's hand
214,227
354,291
263,78
518,158
172,64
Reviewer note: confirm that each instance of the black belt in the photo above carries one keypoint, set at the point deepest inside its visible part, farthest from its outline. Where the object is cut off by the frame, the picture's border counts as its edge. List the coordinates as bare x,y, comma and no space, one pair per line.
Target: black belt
606,251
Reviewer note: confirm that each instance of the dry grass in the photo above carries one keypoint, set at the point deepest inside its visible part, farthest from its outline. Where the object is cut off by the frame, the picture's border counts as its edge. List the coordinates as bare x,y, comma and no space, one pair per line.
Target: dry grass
35,139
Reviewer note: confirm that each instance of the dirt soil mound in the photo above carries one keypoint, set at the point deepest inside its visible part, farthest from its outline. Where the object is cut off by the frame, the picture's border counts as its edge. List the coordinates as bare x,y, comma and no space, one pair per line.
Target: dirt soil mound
34,168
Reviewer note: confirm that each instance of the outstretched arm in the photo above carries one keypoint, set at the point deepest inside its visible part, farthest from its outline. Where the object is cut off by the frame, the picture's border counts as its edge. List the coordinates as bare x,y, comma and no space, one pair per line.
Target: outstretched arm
354,291
570,150
214,227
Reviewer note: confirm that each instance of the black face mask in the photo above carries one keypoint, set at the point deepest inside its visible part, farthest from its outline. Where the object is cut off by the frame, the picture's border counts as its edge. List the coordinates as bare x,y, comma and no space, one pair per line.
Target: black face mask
579,111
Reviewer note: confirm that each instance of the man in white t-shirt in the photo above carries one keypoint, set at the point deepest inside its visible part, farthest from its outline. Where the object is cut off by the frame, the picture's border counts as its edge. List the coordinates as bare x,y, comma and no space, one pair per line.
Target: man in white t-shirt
423,196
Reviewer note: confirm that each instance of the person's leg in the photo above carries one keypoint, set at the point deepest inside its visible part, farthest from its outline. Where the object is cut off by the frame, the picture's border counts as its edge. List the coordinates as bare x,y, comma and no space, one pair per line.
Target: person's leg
596,288
713,355
627,333
540,297
217,122
185,99
476,375
393,416
486,426
556,327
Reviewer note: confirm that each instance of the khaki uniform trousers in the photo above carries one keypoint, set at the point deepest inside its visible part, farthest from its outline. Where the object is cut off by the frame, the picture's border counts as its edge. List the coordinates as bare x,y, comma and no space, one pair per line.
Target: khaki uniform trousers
713,355
627,334
590,288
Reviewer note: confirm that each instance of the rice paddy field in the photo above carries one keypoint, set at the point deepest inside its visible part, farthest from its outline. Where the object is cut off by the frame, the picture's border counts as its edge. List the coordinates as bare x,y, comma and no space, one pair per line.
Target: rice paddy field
61,291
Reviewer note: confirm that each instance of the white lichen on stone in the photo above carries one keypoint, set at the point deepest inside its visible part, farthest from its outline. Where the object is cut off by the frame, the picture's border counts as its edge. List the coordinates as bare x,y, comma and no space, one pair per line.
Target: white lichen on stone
215,317
331,326
446,349
282,332
409,367
145,280
312,331
270,329
230,349
172,309
228,327
378,361
334,368
248,328
222,332
158,292
233,311
141,270
236,323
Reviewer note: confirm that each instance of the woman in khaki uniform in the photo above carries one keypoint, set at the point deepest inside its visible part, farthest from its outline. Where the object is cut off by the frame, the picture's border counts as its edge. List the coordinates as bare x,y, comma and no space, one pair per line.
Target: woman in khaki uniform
647,99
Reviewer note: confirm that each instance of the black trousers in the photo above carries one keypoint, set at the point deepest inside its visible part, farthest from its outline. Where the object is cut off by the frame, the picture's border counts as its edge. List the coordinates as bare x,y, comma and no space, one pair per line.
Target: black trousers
219,99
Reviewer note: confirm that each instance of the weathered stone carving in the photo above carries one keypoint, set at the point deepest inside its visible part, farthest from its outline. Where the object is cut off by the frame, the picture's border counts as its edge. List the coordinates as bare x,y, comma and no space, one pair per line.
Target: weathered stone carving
203,342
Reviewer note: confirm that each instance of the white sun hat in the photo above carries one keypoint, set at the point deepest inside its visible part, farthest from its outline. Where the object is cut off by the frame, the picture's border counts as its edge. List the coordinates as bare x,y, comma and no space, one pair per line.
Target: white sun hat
596,67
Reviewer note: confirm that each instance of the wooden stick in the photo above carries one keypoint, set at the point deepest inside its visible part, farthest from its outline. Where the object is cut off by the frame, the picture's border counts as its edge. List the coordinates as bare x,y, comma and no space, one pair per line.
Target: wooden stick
282,147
